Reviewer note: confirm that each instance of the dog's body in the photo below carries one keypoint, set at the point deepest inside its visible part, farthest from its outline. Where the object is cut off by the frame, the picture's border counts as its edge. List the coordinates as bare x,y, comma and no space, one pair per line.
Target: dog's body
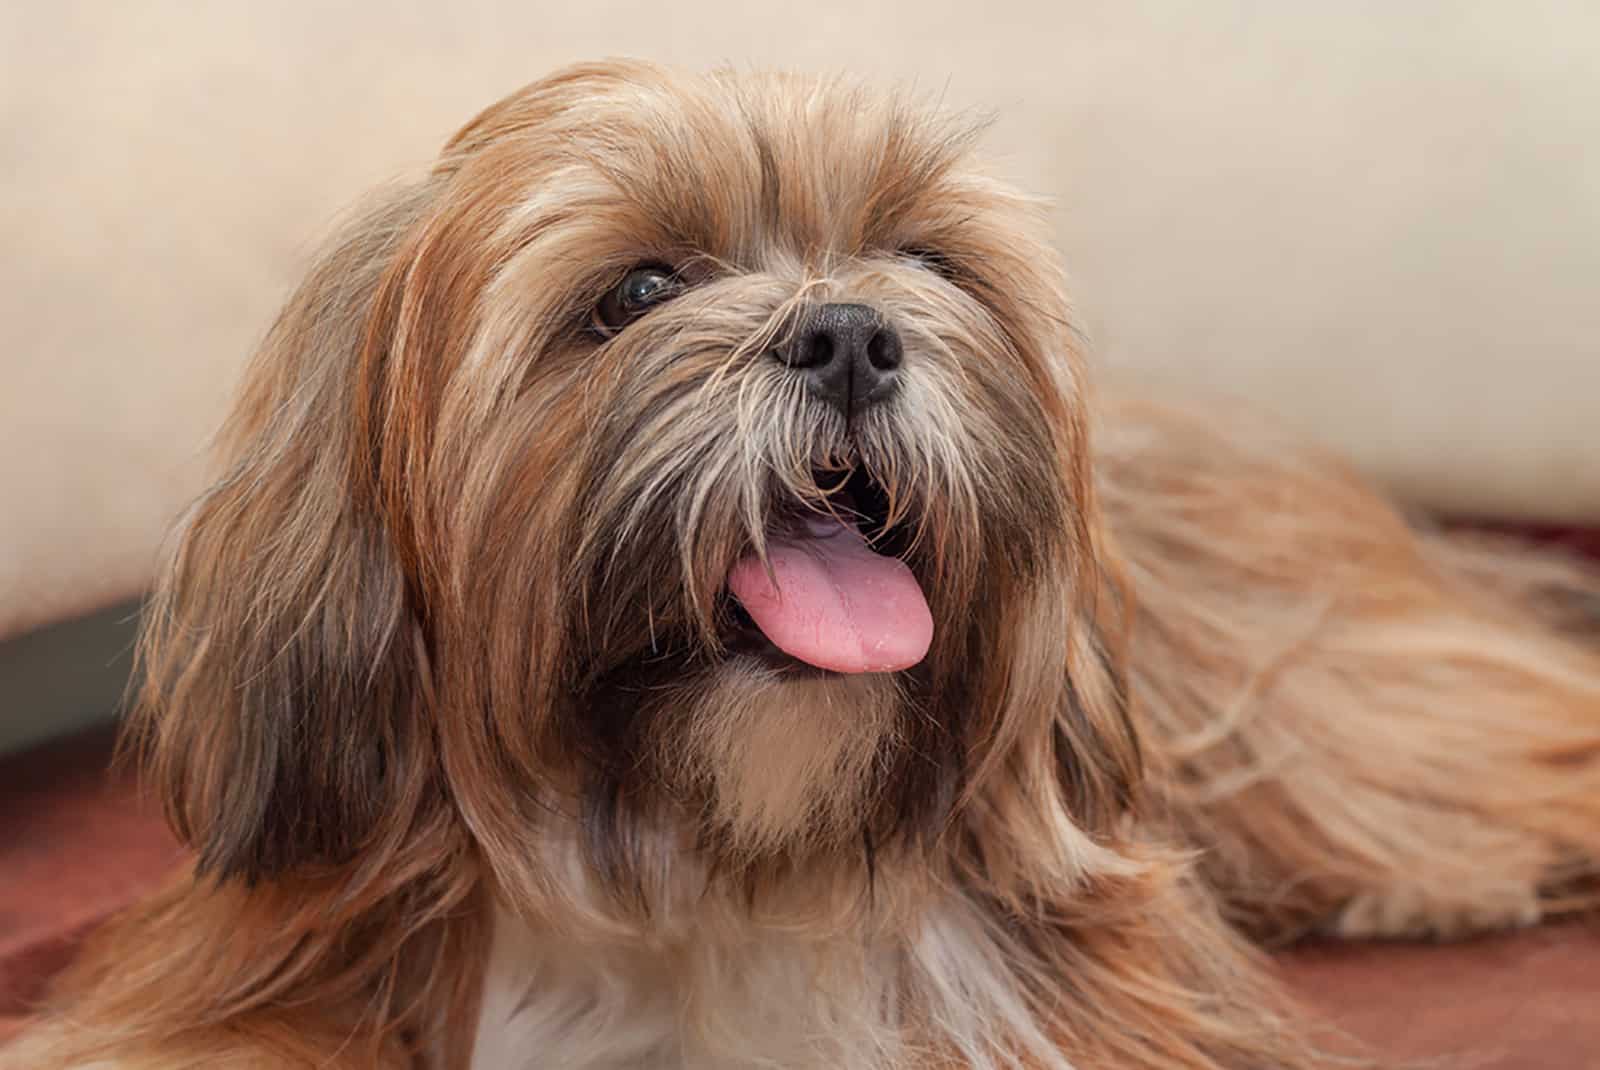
481,686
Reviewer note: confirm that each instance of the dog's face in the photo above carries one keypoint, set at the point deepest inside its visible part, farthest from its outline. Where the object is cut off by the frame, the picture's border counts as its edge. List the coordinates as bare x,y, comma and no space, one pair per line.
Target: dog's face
708,446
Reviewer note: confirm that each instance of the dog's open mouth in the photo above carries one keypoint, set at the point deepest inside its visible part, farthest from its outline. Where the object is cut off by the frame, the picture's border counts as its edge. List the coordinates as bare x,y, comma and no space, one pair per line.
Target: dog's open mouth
839,597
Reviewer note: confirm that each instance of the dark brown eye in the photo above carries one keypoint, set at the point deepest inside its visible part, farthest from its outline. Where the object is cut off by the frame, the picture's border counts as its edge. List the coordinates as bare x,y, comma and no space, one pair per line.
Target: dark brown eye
640,290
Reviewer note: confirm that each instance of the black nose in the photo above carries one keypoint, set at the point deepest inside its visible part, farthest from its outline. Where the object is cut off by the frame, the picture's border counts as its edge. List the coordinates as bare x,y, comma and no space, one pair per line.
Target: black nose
849,355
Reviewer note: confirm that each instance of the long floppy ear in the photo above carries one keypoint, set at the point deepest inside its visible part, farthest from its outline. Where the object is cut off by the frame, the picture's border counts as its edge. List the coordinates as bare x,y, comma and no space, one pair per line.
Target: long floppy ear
280,712
1089,603
1099,755
1064,767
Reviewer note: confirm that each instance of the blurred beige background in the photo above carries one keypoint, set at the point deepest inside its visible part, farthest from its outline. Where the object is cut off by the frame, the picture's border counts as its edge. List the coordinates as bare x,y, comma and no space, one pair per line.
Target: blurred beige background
1380,220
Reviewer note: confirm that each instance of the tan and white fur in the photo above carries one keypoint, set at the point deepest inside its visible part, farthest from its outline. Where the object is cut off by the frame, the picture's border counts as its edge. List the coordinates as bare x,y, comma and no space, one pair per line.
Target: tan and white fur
437,680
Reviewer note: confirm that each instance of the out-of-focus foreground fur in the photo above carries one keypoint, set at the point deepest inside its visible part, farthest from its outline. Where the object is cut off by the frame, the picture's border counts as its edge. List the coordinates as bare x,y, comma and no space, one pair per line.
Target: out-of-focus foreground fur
441,680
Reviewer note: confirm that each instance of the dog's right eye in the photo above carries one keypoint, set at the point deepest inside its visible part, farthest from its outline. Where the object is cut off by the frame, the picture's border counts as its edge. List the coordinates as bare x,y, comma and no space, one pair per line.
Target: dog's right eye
640,290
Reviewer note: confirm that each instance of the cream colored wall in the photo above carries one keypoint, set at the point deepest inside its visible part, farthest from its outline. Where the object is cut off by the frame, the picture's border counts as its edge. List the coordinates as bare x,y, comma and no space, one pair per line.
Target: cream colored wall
1378,219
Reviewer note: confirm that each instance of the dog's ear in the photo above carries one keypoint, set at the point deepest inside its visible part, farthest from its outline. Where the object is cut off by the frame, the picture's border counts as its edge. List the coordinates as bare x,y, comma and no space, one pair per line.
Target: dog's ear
280,711
1098,750
1087,600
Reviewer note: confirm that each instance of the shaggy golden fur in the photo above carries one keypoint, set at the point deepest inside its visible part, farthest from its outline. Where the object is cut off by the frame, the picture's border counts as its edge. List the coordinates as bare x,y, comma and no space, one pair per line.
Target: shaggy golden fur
437,681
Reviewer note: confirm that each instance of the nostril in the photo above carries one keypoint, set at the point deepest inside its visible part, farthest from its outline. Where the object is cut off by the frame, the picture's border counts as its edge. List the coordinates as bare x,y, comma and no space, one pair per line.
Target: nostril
813,349
883,350
818,350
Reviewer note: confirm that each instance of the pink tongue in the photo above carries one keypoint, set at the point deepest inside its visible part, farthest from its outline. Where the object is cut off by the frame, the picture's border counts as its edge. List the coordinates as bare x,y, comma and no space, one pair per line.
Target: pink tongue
837,605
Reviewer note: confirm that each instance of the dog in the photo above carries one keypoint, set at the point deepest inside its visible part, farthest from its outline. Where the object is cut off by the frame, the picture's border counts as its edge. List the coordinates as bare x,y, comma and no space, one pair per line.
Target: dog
672,598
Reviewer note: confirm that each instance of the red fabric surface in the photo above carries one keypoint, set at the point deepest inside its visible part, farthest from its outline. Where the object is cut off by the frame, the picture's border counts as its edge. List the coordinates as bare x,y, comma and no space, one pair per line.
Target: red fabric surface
76,844
1522,1001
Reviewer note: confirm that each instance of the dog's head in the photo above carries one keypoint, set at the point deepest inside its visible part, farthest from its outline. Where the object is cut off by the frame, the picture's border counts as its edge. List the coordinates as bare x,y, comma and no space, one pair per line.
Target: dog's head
708,451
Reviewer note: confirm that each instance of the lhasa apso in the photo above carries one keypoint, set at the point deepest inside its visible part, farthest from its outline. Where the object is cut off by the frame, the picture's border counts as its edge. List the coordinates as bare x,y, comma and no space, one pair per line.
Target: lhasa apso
673,600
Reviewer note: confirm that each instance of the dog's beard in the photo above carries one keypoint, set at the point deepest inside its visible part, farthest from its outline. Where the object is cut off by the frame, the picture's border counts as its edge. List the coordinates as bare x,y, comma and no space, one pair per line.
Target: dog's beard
705,458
